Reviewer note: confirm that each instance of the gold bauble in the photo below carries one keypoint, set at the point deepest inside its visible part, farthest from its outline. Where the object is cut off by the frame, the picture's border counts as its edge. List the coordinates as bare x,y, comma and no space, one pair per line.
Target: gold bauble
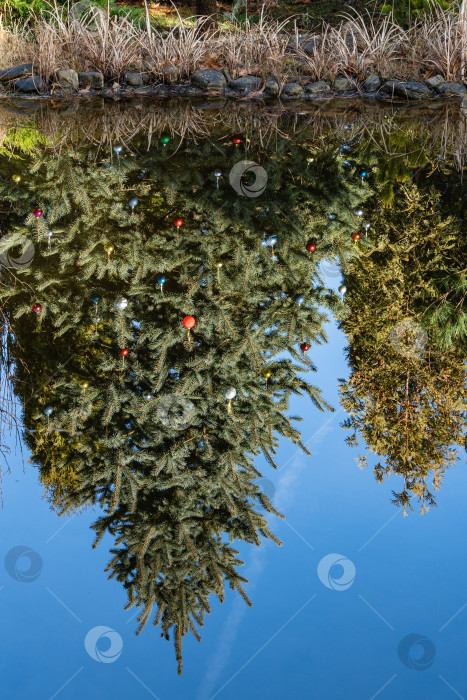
16,178
109,248
266,373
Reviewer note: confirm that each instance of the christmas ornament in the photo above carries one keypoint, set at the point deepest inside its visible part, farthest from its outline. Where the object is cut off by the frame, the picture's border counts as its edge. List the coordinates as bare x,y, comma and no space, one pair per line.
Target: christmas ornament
367,226
230,394
95,299
356,236
299,299
236,140
121,303
84,385
178,222
189,321
342,289
217,175
118,149
133,202
147,397
49,236
311,246
16,178
358,212
164,140
37,212
123,352
78,264
48,410
161,281
270,241
363,174
37,308
218,264
332,216
109,249
266,374
304,347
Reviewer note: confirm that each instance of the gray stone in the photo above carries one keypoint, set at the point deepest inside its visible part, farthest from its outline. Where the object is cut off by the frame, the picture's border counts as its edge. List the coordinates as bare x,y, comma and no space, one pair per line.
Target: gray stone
171,74
410,89
92,78
451,89
292,90
67,78
434,81
318,87
304,42
133,79
209,78
342,84
310,45
372,83
248,82
16,72
29,84
272,87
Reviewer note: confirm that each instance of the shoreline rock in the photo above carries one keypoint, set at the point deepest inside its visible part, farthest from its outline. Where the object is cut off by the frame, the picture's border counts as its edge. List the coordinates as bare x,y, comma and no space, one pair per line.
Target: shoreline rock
21,79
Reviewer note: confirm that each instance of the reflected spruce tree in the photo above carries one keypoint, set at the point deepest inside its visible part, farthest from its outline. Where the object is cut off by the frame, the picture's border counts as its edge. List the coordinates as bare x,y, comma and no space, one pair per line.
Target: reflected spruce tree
163,338
406,325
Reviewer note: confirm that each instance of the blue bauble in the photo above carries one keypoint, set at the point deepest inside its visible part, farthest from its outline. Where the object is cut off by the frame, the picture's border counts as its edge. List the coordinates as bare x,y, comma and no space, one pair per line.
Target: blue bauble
133,202
270,241
299,299
161,279
332,216
48,411
363,173
95,299
118,149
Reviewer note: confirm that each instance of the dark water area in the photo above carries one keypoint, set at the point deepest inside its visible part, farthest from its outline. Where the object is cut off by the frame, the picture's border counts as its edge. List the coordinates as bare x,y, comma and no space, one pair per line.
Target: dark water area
170,273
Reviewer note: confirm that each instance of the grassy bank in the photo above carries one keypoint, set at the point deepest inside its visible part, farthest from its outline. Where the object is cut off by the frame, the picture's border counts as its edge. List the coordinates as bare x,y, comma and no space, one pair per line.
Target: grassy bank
354,47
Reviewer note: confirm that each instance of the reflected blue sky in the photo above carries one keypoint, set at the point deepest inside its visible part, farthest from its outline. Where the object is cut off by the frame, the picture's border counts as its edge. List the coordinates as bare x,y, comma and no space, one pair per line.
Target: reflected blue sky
300,639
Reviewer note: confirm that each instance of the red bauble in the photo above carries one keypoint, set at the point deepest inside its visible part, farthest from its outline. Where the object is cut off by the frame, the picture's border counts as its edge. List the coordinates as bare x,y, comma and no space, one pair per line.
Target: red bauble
356,236
189,321
37,308
78,264
178,222
123,352
311,246
236,140
304,347
37,212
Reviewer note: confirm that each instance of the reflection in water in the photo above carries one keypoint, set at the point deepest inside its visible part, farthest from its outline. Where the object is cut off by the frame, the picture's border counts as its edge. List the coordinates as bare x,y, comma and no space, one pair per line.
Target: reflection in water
166,318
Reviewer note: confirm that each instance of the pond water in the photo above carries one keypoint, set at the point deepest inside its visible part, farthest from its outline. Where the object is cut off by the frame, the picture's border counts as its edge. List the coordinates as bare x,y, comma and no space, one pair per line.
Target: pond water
213,315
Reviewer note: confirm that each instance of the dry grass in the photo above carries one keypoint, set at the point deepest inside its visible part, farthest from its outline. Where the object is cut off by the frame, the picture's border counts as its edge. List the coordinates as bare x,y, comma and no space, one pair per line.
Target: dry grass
14,44
257,49
360,45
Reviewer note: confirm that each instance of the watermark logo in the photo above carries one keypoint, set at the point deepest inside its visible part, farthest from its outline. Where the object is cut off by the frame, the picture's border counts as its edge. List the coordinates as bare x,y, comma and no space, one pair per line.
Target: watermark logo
416,652
240,178
268,488
408,339
103,644
329,269
176,411
336,572
23,564
21,262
